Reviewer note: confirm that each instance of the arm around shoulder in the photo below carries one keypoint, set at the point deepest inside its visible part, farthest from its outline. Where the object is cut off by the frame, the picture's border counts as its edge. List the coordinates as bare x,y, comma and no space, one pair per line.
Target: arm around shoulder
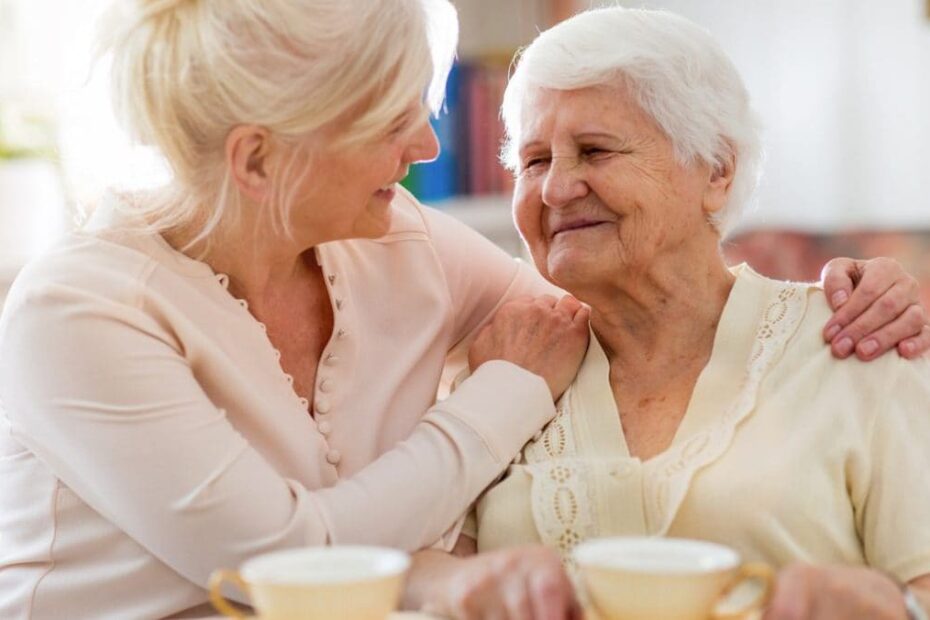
102,394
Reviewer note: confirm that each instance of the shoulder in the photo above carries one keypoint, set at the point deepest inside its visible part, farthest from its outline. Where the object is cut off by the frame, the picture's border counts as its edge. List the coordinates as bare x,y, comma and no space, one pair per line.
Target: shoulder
870,385
105,273
410,219
81,265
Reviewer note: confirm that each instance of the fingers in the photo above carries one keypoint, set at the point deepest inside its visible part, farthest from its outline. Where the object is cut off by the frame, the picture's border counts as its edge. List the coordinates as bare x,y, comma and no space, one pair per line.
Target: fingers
583,316
569,305
550,593
579,312
517,601
871,284
839,277
512,584
912,348
891,318
910,322
791,599
547,301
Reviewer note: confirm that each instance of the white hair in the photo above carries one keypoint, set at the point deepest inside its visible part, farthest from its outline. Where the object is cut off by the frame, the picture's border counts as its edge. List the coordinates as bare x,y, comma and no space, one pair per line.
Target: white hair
185,72
678,74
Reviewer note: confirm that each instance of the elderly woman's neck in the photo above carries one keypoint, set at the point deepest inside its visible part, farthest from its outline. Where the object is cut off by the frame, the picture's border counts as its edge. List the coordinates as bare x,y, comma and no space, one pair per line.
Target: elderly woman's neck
669,312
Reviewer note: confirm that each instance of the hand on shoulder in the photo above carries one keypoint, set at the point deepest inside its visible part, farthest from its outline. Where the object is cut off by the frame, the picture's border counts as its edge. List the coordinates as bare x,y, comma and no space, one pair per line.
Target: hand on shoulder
544,335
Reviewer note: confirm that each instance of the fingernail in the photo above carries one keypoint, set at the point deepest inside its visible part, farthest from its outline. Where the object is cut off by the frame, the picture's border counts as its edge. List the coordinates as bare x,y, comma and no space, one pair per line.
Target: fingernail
832,331
868,347
845,346
839,298
909,348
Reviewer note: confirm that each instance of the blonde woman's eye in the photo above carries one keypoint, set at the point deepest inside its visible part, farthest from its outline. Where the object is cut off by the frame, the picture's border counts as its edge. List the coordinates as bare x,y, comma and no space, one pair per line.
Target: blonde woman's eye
398,127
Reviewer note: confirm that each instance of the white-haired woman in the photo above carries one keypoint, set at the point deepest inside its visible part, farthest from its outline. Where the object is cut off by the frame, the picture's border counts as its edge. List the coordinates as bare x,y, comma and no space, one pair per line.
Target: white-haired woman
248,359
704,407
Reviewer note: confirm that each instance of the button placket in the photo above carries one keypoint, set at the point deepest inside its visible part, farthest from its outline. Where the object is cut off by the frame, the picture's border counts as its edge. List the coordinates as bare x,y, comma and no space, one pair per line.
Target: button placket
326,385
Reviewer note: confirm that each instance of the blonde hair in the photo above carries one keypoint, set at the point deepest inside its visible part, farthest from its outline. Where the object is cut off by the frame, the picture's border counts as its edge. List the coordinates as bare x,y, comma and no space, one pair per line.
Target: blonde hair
680,76
185,72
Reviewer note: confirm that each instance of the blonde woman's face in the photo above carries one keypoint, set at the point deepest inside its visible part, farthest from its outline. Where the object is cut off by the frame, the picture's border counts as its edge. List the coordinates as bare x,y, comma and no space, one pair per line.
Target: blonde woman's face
349,189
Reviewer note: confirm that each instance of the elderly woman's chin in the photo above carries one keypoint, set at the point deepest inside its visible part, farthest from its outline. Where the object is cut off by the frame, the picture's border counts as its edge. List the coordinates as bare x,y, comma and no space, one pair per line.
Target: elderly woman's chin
577,258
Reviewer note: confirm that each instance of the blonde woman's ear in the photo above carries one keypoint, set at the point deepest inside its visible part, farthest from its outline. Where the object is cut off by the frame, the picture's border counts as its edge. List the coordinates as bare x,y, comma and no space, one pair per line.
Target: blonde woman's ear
247,156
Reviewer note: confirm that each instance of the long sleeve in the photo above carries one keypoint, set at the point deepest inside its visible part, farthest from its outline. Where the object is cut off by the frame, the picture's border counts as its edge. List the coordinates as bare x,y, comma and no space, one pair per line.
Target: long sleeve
101,393
890,479
480,278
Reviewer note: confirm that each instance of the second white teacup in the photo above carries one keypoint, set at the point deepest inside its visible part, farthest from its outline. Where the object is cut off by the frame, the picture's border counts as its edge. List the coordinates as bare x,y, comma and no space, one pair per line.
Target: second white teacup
666,579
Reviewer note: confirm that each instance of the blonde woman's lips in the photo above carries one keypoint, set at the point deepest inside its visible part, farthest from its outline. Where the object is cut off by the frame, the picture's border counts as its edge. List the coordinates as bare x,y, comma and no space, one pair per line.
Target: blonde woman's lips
387,192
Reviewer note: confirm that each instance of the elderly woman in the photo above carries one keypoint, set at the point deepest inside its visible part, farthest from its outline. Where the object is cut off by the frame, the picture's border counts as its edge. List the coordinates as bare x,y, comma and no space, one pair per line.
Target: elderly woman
705,406
248,359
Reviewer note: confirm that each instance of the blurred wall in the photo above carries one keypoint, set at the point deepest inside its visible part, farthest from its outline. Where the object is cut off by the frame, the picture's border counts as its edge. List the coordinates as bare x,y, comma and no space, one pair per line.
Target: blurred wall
843,88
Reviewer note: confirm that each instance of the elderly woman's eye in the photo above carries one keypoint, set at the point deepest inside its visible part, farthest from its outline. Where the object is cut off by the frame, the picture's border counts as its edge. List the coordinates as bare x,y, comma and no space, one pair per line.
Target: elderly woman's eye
534,162
593,151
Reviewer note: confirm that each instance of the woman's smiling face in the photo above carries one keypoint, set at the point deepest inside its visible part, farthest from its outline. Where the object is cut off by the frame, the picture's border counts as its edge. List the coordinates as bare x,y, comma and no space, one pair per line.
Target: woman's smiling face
349,188
600,192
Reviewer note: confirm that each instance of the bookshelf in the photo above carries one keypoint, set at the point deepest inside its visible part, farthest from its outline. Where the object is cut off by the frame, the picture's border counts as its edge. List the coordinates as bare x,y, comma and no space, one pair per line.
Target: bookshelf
467,179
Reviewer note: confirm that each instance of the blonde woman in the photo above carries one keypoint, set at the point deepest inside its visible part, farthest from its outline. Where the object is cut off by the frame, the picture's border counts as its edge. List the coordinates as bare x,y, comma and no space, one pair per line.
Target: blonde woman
248,359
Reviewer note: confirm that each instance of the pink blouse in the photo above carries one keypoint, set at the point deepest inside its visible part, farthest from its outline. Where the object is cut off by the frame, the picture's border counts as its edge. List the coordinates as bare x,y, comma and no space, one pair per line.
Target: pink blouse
149,435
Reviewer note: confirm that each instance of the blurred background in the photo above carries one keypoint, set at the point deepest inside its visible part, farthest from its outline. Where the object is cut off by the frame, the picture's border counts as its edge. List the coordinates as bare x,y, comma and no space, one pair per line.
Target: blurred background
842,87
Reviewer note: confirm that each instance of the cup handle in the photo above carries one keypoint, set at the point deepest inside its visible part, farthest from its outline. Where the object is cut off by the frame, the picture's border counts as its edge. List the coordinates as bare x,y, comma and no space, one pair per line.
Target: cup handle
217,579
749,571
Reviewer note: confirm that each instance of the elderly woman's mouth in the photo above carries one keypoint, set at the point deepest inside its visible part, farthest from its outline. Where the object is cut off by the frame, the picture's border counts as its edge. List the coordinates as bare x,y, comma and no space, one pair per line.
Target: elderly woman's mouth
579,226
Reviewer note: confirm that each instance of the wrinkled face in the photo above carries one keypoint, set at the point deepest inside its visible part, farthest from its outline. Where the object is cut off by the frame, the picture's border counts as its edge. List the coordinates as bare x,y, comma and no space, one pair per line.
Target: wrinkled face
599,194
348,190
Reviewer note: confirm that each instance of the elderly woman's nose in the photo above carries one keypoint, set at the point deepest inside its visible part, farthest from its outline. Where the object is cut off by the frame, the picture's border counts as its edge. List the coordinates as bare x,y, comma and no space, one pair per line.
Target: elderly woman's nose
563,182
424,145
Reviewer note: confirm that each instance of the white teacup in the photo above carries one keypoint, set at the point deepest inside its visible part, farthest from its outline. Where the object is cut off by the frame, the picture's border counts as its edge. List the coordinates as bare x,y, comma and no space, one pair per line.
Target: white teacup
317,583
667,579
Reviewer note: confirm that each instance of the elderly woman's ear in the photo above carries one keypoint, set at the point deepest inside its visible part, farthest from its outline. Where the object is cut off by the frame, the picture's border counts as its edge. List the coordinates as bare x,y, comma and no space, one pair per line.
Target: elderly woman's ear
247,153
718,188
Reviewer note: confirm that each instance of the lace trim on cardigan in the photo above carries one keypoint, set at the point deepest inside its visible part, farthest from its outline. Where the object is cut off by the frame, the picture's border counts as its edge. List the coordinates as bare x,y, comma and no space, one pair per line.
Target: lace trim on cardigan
562,499
563,484
669,482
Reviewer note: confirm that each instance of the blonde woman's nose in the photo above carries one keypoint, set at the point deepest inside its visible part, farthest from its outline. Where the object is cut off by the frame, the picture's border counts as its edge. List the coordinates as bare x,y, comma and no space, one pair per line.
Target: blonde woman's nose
424,145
